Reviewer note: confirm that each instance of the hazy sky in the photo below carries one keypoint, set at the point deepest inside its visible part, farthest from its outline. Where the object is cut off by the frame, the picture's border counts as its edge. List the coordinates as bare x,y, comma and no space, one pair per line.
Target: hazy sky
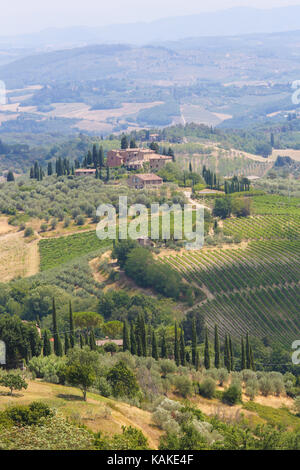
19,16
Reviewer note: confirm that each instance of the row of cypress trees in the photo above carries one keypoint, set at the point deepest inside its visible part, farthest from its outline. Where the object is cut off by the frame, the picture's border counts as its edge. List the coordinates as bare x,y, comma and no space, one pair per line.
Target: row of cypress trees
135,341
69,336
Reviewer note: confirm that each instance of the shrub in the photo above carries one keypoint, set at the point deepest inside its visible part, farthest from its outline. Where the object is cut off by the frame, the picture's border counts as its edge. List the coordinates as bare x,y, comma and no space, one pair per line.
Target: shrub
252,388
104,387
266,385
28,415
183,386
232,395
222,376
207,388
122,381
28,232
167,367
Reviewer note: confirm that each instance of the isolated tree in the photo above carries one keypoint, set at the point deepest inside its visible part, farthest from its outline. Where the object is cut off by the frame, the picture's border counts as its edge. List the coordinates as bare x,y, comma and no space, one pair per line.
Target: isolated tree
10,176
81,375
13,381
217,348
206,352
57,341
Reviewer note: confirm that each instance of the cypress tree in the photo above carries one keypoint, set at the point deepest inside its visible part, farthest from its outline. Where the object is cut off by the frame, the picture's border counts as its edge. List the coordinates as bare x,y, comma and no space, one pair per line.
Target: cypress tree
252,359
243,355
227,361
248,356
154,346
46,344
139,345
71,324
92,338
182,349
133,346
57,342
81,341
231,354
126,341
187,357
176,346
67,343
197,361
206,352
217,348
163,346
101,157
194,342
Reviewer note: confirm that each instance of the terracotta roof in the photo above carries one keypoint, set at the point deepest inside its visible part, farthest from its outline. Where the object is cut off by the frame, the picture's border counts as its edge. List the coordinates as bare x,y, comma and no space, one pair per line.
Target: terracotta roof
85,170
148,177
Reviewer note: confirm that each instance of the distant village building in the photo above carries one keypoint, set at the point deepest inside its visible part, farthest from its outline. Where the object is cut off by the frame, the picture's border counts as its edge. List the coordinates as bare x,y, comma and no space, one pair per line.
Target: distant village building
142,181
134,159
102,342
85,171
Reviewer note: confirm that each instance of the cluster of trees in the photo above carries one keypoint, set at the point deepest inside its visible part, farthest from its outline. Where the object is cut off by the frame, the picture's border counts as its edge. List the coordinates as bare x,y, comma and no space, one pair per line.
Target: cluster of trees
139,265
225,206
21,338
236,185
36,172
210,178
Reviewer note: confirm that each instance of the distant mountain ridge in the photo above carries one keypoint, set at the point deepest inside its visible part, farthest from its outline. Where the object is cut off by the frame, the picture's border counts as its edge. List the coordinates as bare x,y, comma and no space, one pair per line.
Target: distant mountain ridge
234,21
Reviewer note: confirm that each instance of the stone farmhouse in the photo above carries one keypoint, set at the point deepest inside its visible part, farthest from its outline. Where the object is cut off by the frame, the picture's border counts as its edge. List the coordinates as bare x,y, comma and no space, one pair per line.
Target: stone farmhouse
142,181
134,159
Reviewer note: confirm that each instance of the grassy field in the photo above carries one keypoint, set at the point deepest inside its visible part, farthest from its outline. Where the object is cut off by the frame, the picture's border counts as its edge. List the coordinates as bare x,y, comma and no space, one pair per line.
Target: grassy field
56,251
98,413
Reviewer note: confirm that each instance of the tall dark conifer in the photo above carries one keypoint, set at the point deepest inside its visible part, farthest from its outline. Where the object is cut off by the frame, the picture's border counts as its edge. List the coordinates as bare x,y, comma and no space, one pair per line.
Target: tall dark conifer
57,341
133,345
182,349
217,348
126,340
176,346
154,346
243,355
71,325
248,355
206,352
163,346
46,344
194,342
